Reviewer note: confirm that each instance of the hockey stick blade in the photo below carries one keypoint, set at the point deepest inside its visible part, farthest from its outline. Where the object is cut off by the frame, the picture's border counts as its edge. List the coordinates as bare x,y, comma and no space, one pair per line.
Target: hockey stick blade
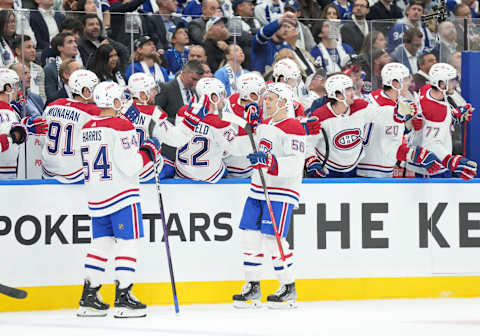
234,119
13,292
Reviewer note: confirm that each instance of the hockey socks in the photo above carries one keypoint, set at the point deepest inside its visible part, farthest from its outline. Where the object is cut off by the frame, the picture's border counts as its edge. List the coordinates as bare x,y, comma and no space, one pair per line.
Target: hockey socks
96,259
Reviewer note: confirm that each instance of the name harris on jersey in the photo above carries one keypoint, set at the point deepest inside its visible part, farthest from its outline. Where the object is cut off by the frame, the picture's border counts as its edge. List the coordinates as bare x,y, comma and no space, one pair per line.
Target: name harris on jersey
92,135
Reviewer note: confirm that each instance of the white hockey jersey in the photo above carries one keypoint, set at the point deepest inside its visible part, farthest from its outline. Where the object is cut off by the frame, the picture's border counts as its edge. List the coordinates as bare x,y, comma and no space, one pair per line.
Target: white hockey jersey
61,157
346,134
386,134
286,140
111,164
9,157
174,136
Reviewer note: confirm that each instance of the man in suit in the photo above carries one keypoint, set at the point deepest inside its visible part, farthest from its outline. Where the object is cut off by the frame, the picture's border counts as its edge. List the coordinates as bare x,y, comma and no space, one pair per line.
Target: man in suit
406,53
45,23
68,67
177,93
34,103
424,62
354,32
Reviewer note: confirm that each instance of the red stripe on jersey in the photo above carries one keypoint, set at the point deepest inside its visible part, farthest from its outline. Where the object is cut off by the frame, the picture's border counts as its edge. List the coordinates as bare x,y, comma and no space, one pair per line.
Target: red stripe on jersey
214,174
116,123
135,220
96,257
289,190
126,258
119,194
63,175
5,144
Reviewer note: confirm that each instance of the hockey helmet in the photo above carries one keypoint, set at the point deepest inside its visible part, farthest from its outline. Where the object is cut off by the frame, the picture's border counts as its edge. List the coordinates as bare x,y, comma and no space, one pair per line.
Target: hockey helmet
141,82
337,83
442,72
283,92
394,71
249,83
211,86
106,93
289,70
10,77
81,79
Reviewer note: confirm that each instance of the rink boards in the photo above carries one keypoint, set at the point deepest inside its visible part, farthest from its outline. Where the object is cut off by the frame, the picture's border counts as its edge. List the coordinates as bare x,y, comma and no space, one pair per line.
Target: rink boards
352,239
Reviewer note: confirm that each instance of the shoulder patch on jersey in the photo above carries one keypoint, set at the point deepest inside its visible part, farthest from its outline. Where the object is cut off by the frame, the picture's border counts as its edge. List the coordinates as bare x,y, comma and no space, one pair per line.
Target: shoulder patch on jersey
291,126
116,123
347,139
265,145
214,121
323,113
358,104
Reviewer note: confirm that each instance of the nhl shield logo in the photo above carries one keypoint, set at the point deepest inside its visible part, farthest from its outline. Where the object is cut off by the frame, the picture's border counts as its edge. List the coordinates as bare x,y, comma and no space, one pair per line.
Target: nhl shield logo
347,139
265,145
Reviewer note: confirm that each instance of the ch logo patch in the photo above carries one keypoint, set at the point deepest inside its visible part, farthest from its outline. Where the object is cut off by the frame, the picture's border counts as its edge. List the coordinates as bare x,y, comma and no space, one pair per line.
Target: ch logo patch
265,145
347,139
120,226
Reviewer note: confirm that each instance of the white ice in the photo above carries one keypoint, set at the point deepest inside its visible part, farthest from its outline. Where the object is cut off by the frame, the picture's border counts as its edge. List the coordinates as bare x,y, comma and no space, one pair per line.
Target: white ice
422,317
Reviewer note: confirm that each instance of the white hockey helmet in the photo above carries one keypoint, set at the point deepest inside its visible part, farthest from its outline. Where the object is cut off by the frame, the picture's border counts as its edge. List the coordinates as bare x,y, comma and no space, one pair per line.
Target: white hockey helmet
141,82
337,83
81,79
211,86
106,93
288,69
284,92
249,83
9,77
441,72
394,71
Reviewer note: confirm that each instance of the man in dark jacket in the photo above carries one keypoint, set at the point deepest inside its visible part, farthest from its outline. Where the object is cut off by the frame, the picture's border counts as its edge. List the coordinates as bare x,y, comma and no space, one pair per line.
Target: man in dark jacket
354,32
384,10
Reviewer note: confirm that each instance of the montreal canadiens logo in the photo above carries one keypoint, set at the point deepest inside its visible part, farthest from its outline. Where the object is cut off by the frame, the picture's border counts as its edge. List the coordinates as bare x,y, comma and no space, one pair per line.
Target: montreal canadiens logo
347,139
265,145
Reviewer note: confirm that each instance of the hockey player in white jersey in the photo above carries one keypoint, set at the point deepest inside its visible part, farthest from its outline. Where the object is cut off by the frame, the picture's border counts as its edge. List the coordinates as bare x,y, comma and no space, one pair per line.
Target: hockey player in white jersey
143,90
344,119
281,143
61,157
13,131
112,161
201,158
438,119
287,71
251,88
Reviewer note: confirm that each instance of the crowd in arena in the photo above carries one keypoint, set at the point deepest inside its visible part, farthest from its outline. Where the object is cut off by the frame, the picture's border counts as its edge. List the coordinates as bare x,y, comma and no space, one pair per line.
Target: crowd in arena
246,45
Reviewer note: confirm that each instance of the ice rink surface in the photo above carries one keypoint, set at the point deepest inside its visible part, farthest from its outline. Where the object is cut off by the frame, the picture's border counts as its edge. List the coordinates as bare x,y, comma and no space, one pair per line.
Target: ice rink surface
422,317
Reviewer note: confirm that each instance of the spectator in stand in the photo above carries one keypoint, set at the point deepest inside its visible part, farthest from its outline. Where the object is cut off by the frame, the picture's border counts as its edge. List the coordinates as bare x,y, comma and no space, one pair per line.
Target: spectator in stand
379,59
68,67
330,12
85,7
161,27
425,62
316,89
384,10
177,55
268,11
269,41
345,8
407,52
328,53
66,47
146,59
215,42
122,27
305,39
69,25
22,23
232,69
448,41
33,102
193,9
92,39
197,52
207,73
373,40
304,59
249,24
469,3
461,12
107,66
45,23
197,27
26,53
412,20
354,31
7,36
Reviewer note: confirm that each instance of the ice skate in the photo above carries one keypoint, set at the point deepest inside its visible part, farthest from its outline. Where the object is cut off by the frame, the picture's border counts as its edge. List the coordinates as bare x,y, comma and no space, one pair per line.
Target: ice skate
91,303
249,297
284,298
126,305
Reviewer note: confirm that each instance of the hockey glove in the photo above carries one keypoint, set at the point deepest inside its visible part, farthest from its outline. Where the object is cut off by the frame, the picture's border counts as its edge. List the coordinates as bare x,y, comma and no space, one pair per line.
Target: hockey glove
152,148
260,160
196,112
132,113
252,114
36,125
314,167
423,158
18,133
417,122
458,164
404,110
18,104
466,113
311,124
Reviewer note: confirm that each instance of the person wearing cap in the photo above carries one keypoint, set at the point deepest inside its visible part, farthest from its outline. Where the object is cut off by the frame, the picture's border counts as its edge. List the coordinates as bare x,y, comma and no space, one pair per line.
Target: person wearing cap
305,38
268,11
215,41
177,55
147,60
197,27
412,19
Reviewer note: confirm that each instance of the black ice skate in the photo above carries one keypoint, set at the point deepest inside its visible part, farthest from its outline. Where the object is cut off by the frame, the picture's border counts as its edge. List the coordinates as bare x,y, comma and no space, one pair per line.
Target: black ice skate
250,296
91,303
284,298
127,305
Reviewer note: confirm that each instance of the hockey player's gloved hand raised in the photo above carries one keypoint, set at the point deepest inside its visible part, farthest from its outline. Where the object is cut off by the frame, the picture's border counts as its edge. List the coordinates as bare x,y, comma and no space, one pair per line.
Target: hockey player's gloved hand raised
152,148
314,167
36,125
18,133
252,114
417,122
260,160
311,124
405,110
466,113
196,112
466,168
132,113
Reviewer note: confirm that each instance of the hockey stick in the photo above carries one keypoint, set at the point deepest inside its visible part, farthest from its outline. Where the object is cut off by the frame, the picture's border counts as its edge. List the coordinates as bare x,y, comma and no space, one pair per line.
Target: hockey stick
327,148
455,106
232,118
13,292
